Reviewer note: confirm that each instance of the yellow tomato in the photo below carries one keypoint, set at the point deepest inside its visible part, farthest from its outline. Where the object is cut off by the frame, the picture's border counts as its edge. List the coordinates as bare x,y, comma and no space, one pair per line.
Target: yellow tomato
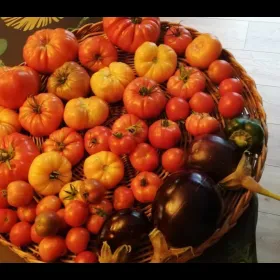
72,191
155,62
9,122
83,113
49,172
110,82
106,167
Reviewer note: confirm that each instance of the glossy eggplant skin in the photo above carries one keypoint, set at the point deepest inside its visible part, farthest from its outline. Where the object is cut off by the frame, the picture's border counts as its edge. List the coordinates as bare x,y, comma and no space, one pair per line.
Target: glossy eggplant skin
187,208
213,155
125,227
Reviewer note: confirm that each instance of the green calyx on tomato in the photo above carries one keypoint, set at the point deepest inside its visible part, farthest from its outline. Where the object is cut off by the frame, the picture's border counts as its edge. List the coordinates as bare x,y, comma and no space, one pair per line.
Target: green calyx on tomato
72,193
136,20
118,135
54,175
144,91
134,129
101,212
32,102
6,156
184,73
165,123
61,146
143,182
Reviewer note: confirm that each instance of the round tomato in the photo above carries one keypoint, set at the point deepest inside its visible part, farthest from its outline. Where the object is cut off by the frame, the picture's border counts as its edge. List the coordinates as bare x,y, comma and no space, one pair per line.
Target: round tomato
144,98
93,191
66,141
173,159
155,62
231,105
76,213
49,172
72,191
177,109
220,70
48,203
144,158
105,207
203,50
16,84
34,236
202,103
8,219
230,85
52,248
77,240
3,198
20,234
130,124
27,213
121,144
164,134
186,82
42,114
86,257
9,122
17,152
95,222
178,38
123,198
48,49
110,82
47,223
83,113
199,124
96,139
106,167
19,193
97,52
144,186
128,33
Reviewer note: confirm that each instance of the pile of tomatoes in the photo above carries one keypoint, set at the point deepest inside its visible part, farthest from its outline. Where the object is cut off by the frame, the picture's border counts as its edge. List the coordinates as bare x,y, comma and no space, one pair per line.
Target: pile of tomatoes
71,114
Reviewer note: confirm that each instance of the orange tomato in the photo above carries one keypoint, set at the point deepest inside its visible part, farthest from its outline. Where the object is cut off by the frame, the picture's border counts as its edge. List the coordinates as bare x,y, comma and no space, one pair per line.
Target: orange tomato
9,122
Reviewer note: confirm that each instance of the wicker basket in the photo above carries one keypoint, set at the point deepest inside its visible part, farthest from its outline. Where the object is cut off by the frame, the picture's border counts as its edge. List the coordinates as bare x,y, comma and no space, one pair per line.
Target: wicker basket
236,202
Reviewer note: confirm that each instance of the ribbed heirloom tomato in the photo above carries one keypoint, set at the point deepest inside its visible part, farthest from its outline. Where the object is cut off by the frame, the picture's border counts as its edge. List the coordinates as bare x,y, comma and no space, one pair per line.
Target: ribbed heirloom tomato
9,122
72,191
128,33
27,213
122,144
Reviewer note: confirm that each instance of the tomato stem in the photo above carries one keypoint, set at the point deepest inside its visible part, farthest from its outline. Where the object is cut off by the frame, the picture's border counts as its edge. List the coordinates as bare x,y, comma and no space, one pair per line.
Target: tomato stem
143,182
119,135
35,106
6,156
164,123
144,91
136,20
184,73
98,57
54,175
61,146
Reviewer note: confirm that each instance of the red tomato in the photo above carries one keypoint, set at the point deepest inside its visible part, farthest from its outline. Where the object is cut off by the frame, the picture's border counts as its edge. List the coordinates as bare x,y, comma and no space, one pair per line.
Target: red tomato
19,193
67,142
177,109
9,122
77,240
3,198
173,160
186,82
76,213
220,70
8,219
231,105
48,203
20,234
144,158
144,98
178,38
164,134
121,144
105,206
123,198
63,226
86,257
93,191
48,49
27,213
17,152
52,248
128,33
144,186
96,139
34,236
202,103
97,52
230,85
95,222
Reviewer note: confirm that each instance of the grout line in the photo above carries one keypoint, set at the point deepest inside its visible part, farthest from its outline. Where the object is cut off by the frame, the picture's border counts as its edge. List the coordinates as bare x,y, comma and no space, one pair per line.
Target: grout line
246,34
263,21
263,212
246,50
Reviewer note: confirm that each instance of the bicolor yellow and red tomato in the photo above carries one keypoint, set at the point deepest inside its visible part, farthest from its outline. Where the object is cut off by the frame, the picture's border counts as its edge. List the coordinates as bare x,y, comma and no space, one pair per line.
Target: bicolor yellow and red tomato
9,121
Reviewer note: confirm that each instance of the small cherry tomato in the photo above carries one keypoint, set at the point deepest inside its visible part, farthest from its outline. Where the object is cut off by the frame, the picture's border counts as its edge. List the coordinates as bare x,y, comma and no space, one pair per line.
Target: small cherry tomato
173,159
20,234
231,105
96,221
121,144
202,103
123,198
77,239
86,257
220,70
48,203
27,213
177,109
76,213
230,85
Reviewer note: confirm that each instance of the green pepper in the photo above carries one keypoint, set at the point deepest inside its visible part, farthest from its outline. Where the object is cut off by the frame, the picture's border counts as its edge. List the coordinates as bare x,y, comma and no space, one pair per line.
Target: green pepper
246,133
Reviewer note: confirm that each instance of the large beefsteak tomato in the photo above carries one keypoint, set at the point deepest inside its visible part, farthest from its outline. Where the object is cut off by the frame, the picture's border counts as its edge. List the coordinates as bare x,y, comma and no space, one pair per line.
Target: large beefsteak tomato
9,122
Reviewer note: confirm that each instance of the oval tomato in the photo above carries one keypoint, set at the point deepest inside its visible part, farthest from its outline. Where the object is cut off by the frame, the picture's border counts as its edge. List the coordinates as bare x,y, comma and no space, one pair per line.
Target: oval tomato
34,236
48,203
66,141
77,240
76,213
3,198
8,219
20,234
97,139
178,38
145,185
173,159
155,62
199,124
144,158
128,33
48,49
49,172
16,84
27,213
93,191
42,114
144,98
231,105
230,85
17,151
177,109
86,257
106,167
9,122
186,82
220,70
164,134
95,222
202,103
103,208
82,113
121,144
110,82
97,52
123,198
72,191
69,81
203,50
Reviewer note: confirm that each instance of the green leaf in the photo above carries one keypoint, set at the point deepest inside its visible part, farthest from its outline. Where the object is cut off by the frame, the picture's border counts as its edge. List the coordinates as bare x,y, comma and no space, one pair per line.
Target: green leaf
3,45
